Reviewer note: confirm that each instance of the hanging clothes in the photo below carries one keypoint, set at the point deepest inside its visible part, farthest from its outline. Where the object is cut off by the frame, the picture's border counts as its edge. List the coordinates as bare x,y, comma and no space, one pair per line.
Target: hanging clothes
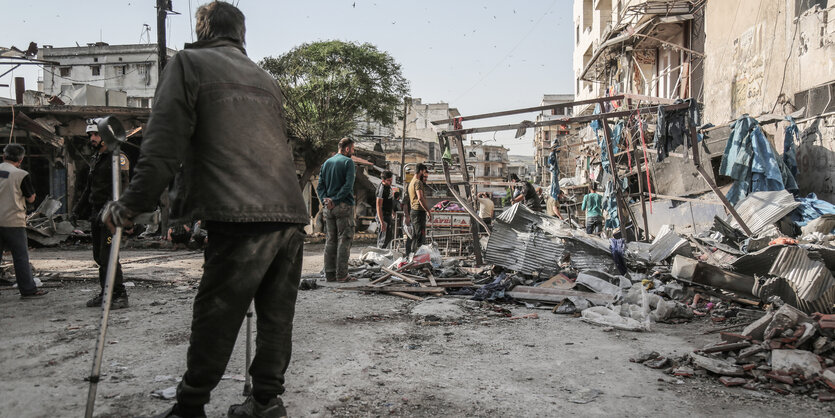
789,148
672,128
751,161
553,165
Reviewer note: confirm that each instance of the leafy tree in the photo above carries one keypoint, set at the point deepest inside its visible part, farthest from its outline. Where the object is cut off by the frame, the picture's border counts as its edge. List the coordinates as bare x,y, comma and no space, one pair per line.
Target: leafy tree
328,86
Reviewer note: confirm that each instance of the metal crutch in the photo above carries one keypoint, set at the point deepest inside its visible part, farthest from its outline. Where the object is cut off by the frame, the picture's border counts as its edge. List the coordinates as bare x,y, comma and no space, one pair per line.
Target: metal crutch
247,377
113,135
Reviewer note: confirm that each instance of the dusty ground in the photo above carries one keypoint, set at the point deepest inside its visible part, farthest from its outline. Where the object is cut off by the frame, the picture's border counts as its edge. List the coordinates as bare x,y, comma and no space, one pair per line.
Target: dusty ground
354,355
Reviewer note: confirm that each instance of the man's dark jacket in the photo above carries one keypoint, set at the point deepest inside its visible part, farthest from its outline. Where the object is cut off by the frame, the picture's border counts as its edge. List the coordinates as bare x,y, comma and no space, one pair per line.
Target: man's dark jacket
98,189
221,116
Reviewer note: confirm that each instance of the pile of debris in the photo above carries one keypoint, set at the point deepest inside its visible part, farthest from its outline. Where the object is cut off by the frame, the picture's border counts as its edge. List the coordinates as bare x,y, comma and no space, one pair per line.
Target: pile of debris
785,351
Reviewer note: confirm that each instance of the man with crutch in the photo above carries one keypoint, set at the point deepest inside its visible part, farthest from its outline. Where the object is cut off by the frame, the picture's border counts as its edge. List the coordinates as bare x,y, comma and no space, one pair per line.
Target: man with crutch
220,116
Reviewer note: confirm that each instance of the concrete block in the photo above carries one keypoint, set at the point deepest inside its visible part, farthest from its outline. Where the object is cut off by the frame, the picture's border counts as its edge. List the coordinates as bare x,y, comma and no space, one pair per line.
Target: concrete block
801,361
757,328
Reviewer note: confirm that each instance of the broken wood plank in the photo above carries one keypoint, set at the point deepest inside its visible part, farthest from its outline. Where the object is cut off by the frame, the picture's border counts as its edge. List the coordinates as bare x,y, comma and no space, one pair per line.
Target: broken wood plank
400,275
396,288
405,295
386,276
557,295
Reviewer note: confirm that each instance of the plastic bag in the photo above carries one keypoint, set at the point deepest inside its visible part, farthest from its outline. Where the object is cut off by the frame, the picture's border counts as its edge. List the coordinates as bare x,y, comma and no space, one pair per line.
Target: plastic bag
434,255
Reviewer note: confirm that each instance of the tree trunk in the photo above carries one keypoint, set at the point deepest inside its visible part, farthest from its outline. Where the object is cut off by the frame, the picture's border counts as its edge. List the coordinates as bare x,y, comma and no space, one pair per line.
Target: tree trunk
307,174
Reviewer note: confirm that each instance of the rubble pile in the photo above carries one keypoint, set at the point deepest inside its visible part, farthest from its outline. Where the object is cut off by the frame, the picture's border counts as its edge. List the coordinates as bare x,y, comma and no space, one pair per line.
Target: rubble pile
785,351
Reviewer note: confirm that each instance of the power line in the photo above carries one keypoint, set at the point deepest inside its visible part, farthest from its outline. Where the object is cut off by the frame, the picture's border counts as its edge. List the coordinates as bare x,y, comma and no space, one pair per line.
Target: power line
535,25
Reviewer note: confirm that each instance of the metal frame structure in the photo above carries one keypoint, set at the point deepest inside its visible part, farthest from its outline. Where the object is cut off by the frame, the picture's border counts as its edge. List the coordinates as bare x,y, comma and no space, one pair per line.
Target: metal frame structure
623,209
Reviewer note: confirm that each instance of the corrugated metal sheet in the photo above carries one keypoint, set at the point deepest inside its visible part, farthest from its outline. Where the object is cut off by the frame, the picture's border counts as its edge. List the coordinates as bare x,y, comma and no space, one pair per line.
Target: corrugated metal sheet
662,247
811,278
519,244
761,209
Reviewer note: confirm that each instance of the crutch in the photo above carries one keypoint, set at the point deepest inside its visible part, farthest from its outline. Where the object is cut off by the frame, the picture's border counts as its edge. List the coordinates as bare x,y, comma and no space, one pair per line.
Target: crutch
247,377
113,135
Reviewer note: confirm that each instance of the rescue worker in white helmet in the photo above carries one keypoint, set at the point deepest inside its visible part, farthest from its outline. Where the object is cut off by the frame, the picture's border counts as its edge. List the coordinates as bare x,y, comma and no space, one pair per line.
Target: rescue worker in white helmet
97,192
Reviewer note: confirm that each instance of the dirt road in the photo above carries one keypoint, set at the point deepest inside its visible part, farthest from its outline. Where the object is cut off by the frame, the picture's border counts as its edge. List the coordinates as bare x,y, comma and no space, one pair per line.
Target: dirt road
354,355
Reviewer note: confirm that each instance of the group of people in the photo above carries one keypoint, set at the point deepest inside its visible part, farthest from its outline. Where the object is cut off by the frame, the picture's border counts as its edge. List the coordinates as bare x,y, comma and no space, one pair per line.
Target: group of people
522,191
335,191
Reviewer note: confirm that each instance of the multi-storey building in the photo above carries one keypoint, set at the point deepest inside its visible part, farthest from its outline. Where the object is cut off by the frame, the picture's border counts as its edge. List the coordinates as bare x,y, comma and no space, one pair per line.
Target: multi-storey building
132,69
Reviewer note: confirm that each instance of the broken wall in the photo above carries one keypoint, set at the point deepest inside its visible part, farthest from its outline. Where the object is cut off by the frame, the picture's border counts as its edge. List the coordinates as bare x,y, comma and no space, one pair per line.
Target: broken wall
760,55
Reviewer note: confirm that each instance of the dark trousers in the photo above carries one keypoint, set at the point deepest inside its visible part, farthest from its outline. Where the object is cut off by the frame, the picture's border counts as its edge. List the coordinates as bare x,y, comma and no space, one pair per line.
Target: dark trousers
384,237
488,221
239,268
14,239
338,240
102,238
418,229
594,224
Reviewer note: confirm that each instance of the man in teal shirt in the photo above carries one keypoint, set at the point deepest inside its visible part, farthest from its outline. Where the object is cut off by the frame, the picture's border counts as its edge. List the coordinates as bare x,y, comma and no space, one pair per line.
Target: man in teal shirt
336,192
592,204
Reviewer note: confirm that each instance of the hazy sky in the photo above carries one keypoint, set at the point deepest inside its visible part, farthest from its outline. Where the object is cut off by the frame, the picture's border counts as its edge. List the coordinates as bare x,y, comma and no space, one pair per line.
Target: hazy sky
479,56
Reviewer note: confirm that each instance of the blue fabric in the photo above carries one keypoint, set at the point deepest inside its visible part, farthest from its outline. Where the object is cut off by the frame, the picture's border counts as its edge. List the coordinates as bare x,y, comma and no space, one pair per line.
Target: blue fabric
610,205
789,149
811,208
751,161
616,247
616,133
553,165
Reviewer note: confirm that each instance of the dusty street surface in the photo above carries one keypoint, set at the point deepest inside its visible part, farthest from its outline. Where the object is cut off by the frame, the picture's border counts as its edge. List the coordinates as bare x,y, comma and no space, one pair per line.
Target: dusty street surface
354,354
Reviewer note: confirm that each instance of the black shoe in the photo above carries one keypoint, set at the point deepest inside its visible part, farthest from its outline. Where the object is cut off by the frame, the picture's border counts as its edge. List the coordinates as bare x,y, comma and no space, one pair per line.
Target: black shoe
253,409
34,295
95,302
119,302
171,413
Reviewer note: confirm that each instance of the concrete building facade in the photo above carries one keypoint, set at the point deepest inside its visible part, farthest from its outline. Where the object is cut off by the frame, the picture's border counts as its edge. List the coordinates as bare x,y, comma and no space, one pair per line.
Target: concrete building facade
132,69
779,60
651,48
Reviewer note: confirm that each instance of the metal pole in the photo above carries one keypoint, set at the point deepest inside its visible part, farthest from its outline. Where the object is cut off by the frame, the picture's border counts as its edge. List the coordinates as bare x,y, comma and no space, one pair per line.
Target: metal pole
403,143
108,292
471,200
247,376
618,198
162,12
697,161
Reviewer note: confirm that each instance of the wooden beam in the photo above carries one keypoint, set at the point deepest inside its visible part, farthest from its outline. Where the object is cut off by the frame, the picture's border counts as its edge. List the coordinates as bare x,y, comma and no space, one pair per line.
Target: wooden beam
563,121
386,289
405,295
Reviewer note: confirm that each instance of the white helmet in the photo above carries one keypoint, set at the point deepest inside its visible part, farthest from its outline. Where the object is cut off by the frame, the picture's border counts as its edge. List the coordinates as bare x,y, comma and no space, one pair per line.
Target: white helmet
92,126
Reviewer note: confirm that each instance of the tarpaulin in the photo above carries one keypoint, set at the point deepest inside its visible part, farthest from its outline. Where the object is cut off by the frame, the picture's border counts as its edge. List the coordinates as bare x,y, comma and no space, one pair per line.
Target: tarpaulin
553,165
752,162
811,208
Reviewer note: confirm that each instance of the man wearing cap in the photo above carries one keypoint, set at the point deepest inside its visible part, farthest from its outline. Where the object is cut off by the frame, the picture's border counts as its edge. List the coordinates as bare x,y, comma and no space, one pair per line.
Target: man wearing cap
98,191
15,190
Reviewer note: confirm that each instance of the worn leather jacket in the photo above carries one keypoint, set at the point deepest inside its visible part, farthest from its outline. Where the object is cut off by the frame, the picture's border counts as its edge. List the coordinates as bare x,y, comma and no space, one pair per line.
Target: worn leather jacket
218,120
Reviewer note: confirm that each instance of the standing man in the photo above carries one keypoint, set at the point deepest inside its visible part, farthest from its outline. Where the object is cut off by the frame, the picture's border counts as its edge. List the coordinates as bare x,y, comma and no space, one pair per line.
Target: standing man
15,190
220,116
385,207
419,207
336,192
485,208
97,192
592,204
527,193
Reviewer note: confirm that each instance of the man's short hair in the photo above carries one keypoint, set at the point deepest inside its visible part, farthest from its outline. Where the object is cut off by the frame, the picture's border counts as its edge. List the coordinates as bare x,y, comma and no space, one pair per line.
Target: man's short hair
14,152
219,19
420,167
387,175
345,143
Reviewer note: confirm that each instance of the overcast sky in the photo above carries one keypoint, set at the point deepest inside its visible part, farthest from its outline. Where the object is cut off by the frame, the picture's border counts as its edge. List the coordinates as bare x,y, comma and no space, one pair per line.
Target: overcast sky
478,56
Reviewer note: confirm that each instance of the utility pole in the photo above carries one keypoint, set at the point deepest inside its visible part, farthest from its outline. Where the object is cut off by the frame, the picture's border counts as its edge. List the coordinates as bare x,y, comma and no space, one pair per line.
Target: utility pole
163,7
406,101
